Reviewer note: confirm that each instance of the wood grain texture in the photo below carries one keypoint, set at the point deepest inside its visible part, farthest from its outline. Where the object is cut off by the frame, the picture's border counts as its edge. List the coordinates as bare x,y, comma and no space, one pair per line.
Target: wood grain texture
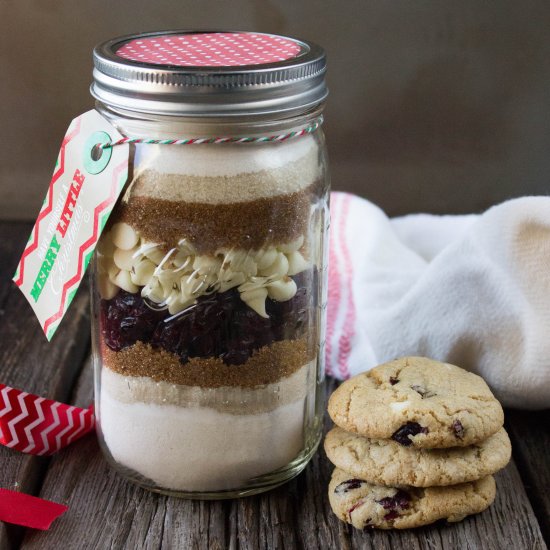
108,512
29,362
530,434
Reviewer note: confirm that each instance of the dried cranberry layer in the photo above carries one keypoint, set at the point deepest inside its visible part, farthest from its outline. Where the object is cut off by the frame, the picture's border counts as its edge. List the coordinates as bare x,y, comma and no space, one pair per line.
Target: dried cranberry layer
218,325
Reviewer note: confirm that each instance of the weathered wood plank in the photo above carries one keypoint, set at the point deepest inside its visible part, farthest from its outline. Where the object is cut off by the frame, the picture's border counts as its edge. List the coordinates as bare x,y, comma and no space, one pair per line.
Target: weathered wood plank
29,362
107,512
530,434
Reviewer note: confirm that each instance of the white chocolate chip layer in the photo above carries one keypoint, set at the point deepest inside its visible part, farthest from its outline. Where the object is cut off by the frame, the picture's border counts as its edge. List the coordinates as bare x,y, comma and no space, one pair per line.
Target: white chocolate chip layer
175,279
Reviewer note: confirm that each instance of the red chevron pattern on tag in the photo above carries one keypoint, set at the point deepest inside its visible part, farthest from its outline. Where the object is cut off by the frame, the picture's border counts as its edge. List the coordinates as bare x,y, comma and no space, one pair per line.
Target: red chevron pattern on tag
39,426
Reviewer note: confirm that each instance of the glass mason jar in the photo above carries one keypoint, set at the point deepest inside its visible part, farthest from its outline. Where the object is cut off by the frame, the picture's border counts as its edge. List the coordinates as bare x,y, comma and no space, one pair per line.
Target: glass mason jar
209,280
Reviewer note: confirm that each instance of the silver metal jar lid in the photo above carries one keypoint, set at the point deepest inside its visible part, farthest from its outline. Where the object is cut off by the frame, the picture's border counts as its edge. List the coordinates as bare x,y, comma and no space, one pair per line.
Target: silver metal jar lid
209,73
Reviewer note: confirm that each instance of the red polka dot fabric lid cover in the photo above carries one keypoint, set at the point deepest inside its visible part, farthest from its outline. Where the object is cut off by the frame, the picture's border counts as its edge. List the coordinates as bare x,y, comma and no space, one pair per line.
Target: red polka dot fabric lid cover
220,49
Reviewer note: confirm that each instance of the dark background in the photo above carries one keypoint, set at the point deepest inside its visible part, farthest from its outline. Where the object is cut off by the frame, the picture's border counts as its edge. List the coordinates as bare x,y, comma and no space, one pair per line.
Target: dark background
437,106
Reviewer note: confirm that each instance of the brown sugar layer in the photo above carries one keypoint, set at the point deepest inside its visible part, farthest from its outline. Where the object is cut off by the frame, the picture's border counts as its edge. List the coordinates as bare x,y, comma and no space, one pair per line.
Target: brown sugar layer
209,227
266,366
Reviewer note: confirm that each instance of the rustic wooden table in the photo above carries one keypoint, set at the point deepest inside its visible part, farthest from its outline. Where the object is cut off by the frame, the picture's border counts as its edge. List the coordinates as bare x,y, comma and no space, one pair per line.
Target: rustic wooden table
107,512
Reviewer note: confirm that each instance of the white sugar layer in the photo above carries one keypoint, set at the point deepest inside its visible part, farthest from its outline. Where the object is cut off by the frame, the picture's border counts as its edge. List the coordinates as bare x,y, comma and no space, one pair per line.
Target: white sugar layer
199,448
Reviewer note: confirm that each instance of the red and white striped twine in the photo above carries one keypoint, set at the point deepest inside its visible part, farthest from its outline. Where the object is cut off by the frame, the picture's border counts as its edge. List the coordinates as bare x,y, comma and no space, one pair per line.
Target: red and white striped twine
220,139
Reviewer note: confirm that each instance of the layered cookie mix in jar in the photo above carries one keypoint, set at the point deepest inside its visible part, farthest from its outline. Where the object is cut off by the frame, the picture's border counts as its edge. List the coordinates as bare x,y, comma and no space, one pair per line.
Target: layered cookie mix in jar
209,283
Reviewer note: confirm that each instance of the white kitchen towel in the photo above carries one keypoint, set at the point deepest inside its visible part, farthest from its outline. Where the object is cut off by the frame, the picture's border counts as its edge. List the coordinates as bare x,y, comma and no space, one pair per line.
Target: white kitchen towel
470,290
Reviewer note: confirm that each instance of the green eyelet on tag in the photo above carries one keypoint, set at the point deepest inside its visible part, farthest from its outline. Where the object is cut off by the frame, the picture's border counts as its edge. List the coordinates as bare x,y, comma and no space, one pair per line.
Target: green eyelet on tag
96,159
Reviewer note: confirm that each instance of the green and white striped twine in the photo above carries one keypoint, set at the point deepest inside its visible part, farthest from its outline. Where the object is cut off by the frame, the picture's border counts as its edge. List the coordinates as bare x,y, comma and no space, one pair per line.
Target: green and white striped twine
227,139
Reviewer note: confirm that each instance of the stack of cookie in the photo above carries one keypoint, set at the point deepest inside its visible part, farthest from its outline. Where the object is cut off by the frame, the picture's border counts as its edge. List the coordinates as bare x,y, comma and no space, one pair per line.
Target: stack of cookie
415,441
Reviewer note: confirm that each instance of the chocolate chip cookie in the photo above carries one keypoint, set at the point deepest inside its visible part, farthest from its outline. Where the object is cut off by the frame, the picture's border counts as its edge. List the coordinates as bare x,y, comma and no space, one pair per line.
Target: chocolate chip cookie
365,506
418,402
386,462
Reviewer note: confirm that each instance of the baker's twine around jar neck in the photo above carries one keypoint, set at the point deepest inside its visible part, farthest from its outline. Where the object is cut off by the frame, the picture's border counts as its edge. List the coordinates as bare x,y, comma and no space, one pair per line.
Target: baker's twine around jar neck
221,139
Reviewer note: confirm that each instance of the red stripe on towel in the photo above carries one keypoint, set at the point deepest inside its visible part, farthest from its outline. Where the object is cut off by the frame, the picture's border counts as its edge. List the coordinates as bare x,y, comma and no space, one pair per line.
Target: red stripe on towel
333,284
348,330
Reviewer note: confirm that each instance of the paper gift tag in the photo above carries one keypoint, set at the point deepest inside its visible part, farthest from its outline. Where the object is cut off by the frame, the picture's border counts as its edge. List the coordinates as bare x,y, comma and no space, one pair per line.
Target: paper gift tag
86,183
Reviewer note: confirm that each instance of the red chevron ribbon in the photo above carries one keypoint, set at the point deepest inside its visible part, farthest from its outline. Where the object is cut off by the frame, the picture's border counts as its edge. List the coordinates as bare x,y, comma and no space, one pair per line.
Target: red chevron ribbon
27,510
39,426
